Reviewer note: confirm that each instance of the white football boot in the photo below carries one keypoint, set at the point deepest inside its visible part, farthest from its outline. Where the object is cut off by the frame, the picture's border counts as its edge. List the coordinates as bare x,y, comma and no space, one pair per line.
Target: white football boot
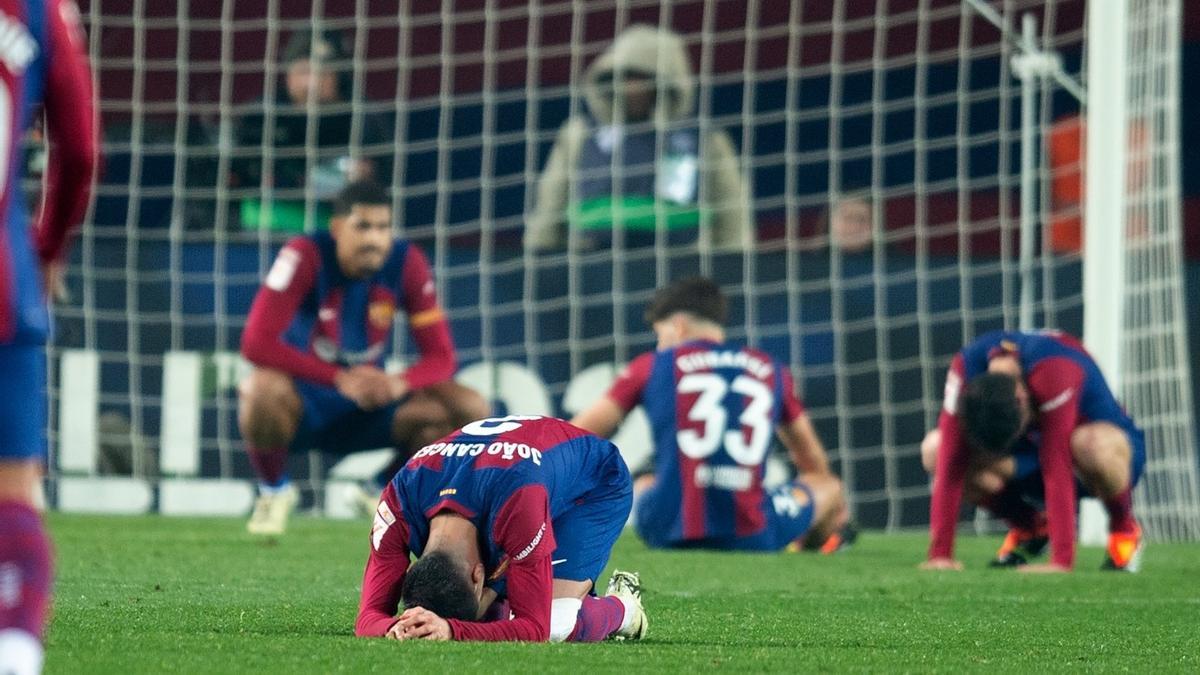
627,586
271,511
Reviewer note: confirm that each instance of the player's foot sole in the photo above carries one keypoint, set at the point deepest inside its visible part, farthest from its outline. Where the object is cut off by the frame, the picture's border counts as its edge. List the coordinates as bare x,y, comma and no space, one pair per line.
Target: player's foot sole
627,586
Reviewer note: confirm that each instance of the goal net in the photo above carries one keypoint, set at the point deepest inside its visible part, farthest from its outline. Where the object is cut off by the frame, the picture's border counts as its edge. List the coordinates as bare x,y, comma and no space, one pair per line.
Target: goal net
866,223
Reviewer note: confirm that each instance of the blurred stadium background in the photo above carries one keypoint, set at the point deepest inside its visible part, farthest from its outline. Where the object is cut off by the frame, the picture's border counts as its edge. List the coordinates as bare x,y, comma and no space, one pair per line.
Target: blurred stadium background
908,110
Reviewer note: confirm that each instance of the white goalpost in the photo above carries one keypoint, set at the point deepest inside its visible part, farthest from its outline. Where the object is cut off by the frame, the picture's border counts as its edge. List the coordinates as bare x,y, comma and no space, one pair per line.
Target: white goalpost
1135,320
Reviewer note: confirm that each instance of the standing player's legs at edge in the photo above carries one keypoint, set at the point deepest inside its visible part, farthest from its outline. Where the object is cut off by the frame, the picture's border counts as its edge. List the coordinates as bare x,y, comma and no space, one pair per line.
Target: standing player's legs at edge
272,410
25,552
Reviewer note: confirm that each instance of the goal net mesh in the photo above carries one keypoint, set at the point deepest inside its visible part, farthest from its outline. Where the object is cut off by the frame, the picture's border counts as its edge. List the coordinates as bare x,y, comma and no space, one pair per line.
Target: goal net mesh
877,144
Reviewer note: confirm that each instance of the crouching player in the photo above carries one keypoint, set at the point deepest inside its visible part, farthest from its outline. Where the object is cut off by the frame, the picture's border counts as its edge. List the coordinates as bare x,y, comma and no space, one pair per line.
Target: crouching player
1026,415
713,407
512,520
318,332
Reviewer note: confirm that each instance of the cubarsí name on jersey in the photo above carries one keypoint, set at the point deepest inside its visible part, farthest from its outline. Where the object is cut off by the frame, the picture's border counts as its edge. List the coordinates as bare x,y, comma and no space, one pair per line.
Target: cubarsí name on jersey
507,451
709,360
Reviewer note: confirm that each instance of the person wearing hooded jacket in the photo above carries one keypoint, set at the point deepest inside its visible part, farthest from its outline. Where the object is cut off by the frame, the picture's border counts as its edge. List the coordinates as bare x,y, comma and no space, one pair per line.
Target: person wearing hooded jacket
639,160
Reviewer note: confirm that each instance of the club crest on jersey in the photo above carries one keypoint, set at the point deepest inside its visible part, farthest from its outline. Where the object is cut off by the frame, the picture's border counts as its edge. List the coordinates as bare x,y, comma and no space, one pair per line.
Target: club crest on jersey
380,314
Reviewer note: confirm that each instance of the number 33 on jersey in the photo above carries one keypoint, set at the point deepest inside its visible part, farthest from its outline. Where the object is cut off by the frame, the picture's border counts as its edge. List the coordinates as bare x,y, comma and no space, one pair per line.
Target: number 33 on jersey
713,408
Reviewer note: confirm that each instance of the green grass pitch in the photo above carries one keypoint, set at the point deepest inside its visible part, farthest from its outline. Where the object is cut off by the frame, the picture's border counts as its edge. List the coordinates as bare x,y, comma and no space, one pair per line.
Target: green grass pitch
154,594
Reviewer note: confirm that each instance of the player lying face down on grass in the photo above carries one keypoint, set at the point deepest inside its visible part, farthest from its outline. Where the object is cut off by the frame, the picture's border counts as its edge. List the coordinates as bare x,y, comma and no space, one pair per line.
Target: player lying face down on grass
1029,421
511,521
318,333
713,406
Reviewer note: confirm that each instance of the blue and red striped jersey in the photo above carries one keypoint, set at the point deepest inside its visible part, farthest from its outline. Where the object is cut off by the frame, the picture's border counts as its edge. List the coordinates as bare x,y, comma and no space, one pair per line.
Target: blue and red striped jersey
714,409
511,477
309,319
42,63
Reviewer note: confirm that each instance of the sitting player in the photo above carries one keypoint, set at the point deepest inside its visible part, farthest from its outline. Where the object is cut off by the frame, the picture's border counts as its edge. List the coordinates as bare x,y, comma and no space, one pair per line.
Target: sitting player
713,406
1034,414
318,332
512,519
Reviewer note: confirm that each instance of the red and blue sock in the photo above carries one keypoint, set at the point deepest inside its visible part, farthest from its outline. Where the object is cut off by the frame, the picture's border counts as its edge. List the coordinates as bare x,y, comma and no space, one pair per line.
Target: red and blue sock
270,465
598,618
26,568
1120,512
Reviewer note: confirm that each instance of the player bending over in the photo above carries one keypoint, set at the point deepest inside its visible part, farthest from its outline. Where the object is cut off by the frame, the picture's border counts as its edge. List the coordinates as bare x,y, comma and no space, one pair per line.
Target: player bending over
713,407
1034,416
511,519
318,333
42,63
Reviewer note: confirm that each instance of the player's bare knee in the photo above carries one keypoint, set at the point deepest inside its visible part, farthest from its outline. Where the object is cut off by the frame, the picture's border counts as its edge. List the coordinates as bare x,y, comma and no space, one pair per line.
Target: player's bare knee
463,404
929,450
827,495
17,481
421,420
1099,444
268,408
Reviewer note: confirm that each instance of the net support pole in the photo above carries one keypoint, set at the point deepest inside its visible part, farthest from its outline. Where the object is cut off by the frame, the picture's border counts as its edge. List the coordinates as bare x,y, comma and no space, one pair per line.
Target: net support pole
1026,66
1105,206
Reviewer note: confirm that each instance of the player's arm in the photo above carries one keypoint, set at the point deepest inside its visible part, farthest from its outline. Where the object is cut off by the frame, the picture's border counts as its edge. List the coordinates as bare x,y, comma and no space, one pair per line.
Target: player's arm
522,528
71,131
601,418
291,277
797,433
1055,385
951,471
803,445
427,323
386,566
606,414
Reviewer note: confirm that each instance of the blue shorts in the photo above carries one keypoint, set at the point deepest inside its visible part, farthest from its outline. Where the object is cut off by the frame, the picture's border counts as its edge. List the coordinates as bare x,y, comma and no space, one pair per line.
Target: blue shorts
786,521
23,402
586,533
1028,473
333,423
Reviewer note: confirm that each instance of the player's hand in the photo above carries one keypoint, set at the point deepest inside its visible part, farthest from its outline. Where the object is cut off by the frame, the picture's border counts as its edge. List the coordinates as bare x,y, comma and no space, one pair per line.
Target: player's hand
418,623
1043,568
942,564
369,387
52,281
398,388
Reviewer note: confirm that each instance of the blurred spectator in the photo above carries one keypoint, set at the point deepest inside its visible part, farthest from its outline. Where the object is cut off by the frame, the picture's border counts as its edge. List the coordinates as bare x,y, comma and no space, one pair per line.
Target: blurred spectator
850,225
637,160
316,87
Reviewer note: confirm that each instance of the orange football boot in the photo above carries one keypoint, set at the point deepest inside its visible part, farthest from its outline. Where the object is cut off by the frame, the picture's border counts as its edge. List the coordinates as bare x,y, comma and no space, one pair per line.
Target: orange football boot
1125,551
